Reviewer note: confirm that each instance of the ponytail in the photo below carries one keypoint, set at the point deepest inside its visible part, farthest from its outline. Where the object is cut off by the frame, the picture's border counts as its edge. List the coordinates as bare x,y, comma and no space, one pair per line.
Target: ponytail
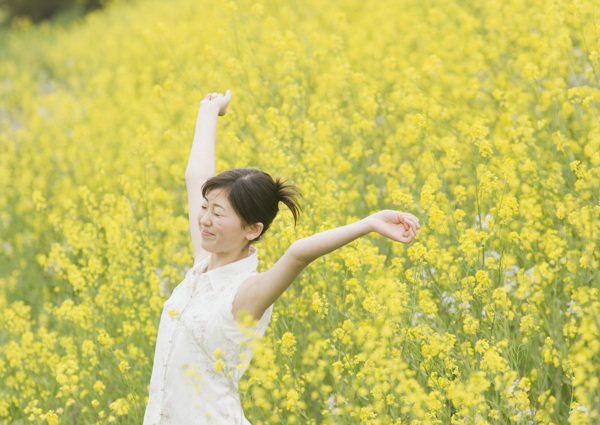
289,195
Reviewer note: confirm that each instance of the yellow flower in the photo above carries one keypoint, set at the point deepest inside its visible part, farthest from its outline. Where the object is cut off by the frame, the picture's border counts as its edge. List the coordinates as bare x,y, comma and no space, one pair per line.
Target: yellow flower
62,379
120,406
482,346
470,325
485,147
51,418
459,214
99,387
105,339
367,415
370,304
531,72
219,365
123,366
319,305
420,121
288,343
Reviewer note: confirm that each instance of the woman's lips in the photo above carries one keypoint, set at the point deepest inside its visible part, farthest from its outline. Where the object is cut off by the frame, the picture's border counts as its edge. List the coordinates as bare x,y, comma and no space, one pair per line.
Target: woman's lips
206,233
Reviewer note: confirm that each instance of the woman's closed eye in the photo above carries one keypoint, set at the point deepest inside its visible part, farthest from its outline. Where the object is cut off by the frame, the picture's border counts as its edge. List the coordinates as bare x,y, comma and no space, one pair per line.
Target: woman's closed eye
205,207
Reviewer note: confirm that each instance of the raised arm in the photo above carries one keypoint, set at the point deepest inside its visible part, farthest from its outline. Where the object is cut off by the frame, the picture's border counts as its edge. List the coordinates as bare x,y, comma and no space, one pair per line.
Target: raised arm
259,292
201,163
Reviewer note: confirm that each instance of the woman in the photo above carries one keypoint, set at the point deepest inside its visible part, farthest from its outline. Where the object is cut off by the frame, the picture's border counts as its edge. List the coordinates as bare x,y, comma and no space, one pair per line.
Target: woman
202,349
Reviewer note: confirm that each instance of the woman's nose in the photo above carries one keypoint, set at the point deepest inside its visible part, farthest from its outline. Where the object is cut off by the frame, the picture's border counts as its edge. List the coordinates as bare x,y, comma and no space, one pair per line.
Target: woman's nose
204,219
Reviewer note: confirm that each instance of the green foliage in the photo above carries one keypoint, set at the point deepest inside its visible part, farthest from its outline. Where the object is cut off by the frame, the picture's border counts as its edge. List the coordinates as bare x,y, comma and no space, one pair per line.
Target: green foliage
38,10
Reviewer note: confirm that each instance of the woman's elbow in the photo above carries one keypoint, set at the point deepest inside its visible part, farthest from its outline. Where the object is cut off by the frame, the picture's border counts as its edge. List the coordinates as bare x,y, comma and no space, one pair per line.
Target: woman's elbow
299,253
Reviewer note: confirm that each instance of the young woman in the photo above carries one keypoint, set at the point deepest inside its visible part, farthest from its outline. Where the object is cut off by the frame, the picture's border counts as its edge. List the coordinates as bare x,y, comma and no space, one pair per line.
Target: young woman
202,349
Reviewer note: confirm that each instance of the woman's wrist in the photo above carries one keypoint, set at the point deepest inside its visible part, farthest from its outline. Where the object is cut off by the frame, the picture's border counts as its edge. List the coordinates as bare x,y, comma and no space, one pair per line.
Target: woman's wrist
208,108
368,224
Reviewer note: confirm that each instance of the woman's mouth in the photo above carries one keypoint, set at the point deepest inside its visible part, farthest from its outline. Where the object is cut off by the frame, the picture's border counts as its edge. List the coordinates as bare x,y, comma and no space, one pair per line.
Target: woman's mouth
204,232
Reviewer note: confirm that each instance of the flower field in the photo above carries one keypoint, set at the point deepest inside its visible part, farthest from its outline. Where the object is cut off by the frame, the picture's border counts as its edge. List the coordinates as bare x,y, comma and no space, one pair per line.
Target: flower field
480,118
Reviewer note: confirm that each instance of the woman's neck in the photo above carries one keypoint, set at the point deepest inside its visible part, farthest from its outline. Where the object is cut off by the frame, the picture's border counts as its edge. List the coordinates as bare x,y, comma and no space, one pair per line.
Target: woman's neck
220,259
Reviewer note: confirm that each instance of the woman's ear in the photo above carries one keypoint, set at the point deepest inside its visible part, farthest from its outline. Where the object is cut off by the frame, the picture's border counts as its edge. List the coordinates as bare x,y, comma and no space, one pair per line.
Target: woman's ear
253,231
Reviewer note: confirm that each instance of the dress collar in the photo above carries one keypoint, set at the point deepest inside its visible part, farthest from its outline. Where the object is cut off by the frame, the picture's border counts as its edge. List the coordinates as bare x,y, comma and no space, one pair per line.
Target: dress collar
222,276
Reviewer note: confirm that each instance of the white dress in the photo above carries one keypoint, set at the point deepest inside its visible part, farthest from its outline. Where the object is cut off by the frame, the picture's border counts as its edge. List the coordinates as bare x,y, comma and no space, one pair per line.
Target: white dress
201,353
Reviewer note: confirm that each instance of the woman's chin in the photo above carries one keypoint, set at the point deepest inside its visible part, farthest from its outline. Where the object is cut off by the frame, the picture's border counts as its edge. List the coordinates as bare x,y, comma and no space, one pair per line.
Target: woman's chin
206,245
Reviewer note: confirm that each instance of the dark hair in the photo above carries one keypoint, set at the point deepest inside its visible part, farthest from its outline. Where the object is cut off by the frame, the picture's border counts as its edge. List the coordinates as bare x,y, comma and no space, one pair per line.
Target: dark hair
254,195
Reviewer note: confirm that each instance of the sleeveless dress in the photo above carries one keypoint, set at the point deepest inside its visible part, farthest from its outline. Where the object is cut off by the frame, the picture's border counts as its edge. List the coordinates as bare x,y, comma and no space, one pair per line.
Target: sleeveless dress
201,352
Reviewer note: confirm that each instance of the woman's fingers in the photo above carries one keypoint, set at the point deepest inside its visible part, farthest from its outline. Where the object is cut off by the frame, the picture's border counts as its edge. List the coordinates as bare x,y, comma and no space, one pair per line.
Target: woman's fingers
409,234
413,219
408,221
211,96
407,238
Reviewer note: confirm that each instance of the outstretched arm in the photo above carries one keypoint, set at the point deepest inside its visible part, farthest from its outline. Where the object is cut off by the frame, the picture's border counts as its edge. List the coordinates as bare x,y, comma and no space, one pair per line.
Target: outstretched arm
201,163
259,292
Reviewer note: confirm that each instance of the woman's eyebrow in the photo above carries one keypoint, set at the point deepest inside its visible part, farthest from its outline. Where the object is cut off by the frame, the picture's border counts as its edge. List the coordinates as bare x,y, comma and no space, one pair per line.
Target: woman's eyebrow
214,204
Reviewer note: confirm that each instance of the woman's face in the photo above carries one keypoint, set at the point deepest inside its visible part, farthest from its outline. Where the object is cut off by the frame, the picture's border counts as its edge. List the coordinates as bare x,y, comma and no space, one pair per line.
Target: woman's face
220,226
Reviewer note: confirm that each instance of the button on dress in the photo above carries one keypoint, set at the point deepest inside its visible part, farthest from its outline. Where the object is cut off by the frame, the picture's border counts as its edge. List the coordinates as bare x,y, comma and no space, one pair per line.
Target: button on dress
201,352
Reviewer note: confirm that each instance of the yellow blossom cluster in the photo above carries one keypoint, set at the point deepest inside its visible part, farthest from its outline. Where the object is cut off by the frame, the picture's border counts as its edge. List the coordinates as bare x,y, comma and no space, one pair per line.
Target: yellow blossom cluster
480,119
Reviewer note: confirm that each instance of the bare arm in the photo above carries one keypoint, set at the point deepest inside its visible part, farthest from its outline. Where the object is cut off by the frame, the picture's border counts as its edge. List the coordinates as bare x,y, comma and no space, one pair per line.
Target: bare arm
201,163
259,292
202,154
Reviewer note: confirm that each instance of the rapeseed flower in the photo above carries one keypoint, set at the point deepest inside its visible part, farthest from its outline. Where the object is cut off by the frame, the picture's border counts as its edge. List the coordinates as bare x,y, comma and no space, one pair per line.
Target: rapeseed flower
485,125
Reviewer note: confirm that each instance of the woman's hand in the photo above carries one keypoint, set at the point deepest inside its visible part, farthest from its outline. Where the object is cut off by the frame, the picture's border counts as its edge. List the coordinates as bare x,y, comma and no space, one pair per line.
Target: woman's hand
398,226
217,100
